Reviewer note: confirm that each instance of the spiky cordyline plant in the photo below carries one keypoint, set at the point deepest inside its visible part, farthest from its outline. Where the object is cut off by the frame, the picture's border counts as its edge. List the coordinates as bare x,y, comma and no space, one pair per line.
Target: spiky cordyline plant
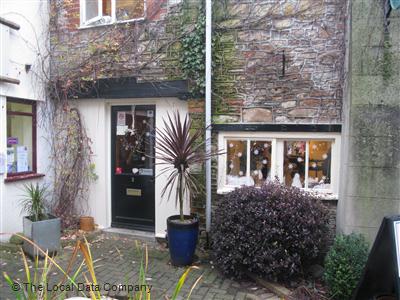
179,148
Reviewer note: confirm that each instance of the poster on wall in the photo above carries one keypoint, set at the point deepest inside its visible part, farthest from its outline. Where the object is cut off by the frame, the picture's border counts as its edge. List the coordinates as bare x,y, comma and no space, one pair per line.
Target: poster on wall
12,140
10,160
22,159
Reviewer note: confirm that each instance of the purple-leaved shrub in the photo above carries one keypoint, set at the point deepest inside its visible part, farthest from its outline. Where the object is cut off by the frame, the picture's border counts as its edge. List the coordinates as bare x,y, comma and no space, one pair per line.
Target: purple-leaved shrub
273,231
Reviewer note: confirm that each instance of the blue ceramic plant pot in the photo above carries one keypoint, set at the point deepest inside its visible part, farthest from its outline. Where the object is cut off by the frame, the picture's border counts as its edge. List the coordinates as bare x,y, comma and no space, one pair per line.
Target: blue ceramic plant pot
182,239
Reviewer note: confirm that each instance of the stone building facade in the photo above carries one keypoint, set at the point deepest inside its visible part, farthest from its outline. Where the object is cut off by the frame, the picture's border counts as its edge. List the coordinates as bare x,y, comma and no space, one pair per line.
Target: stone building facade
278,77
281,61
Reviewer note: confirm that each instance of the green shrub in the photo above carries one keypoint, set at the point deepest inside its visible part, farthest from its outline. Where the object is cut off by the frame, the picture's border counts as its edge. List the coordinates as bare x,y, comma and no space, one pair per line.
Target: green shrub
344,264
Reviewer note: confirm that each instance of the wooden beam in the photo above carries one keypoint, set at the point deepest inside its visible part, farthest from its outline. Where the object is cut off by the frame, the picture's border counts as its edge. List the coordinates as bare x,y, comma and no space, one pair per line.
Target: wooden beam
9,24
9,80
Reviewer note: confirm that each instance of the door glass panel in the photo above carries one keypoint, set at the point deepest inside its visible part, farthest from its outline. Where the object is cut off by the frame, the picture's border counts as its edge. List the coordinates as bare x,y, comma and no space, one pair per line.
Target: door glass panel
135,142
260,161
294,163
319,173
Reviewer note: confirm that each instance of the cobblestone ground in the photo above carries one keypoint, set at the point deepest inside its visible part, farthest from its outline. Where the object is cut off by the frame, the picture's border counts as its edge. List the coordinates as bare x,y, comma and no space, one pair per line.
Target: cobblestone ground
117,264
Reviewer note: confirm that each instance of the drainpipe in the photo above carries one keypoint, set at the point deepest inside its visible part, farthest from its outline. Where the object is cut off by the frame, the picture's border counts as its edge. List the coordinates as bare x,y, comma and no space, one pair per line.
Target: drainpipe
208,115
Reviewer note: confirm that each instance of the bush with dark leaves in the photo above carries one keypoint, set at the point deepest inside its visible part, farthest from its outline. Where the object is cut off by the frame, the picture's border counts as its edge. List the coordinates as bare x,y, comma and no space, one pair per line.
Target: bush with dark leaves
273,231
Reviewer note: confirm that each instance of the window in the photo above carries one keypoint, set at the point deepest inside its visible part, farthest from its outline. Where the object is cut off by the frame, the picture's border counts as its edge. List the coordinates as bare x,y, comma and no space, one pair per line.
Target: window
98,12
252,171
174,2
303,160
21,137
307,164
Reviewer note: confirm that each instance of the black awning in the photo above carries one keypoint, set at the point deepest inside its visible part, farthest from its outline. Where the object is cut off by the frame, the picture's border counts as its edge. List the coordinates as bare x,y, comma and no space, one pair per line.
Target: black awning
128,87
278,127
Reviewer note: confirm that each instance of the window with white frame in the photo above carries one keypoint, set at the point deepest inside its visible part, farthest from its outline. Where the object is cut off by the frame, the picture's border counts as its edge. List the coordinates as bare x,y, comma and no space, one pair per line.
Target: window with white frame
174,2
304,160
98,12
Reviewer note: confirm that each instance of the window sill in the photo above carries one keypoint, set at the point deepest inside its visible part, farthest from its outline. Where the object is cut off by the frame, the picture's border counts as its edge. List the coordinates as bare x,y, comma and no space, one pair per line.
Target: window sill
83,26
23,177
322,195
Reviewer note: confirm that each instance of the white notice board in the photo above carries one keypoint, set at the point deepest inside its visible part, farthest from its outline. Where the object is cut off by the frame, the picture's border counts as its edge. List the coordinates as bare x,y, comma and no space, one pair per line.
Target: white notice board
396,225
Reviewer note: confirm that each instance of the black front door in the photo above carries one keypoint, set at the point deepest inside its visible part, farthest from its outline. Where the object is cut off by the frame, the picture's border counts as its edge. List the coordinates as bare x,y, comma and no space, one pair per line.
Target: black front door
132,167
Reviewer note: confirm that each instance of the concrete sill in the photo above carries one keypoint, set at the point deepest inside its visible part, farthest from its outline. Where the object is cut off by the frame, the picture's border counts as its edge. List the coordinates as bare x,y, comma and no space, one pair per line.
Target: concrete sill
23,177
323,196
83,26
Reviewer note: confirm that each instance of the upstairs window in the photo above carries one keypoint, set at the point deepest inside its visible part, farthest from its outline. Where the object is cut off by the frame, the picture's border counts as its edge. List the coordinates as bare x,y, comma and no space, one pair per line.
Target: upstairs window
174,2
99,12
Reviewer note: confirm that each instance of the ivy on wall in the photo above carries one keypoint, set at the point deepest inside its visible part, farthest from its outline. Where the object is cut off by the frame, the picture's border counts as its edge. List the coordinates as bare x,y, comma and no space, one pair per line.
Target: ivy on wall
193,55
192,60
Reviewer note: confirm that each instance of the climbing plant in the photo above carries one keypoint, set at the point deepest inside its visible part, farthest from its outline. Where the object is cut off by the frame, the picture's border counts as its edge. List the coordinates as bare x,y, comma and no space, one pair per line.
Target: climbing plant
193,56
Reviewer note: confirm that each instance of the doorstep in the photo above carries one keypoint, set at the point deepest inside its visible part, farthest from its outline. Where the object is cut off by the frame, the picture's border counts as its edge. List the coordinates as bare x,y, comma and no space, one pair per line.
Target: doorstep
145,236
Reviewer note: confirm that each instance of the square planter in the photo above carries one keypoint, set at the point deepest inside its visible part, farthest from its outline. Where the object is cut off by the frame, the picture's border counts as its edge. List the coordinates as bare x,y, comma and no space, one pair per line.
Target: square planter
46,234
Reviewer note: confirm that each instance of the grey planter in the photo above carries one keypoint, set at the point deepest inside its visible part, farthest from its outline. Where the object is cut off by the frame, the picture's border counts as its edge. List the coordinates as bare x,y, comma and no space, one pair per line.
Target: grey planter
46,234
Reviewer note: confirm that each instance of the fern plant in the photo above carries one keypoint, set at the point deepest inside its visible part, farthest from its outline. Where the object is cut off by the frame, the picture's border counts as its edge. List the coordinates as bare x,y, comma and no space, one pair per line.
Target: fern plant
33,201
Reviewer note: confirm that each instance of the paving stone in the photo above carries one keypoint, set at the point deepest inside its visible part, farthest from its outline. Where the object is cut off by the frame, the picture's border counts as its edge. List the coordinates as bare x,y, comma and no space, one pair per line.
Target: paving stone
240,296
116,267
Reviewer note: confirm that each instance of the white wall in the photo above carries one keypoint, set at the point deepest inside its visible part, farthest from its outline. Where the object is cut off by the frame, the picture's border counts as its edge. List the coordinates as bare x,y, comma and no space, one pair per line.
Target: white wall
96,114
24,46
17,48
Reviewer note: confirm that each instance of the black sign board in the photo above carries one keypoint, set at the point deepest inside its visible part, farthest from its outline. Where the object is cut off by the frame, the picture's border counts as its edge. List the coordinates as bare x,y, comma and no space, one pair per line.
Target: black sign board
381,273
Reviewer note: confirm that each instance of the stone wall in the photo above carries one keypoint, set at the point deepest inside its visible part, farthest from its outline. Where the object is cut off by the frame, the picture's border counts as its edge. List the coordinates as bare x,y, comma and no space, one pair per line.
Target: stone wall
274,61
135,49
370,187
291,56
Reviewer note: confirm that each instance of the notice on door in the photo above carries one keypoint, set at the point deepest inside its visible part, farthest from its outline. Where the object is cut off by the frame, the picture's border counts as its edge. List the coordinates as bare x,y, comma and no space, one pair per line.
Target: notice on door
121,118
146,172
121,130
